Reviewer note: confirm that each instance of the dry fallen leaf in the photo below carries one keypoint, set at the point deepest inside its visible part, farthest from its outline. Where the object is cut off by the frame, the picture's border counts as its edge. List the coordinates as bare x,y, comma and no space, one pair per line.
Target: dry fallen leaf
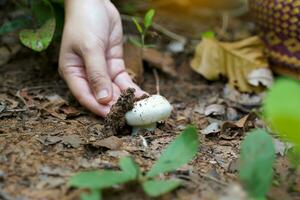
211,129
214,109
134,62
160,60
243,63
112,143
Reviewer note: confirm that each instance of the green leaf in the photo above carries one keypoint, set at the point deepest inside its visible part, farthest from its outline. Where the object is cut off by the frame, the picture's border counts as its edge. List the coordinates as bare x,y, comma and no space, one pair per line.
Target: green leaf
129,168
38,40
256,161
135,42
208,34
95,195
293,155
42,11
98,179
148,19
155,188
282,109
137,24
14,25
178,153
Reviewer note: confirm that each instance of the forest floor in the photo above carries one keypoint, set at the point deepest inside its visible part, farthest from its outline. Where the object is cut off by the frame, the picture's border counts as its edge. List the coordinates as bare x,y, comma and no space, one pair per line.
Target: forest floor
46,136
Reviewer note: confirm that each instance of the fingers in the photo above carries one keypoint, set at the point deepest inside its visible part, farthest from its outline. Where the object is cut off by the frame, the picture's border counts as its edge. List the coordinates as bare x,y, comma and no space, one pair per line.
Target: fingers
97,74
120,77
123,81
82,92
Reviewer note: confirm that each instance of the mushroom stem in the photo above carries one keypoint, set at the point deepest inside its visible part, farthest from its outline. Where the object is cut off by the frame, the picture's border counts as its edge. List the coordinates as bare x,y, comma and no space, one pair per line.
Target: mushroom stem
148,127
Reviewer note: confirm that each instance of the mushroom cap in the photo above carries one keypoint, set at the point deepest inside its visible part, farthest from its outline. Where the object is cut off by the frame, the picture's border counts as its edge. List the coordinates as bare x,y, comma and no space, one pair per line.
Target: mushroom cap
150,110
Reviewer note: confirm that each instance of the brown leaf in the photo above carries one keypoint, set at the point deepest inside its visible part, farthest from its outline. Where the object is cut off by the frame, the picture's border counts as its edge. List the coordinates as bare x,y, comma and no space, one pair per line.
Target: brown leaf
160,60
134,62
49,140
241,62
69,111
230,130
72,140
112,143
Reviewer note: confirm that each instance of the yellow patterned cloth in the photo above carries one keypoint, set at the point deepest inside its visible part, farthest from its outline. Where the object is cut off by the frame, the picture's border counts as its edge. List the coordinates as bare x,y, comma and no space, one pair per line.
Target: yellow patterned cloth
279,21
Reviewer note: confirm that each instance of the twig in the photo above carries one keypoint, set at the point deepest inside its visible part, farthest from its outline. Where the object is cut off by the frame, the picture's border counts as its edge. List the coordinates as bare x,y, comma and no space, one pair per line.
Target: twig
144,142
159,28
225,22
156,80
21,98
213,179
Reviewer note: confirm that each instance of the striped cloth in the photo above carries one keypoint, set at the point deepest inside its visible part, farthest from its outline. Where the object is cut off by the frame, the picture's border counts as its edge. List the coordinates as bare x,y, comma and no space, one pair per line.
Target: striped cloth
279,21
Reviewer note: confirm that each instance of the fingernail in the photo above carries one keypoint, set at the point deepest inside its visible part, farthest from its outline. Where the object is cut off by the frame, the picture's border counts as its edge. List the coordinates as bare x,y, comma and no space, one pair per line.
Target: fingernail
102,94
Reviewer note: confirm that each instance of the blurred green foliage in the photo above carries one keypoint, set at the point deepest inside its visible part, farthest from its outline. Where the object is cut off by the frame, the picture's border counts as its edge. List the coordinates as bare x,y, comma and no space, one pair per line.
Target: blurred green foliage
42,22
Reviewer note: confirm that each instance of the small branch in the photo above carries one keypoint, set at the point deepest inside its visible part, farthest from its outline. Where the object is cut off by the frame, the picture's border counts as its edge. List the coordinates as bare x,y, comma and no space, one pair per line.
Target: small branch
21,98
213,179
16,110
156,80
159,28
225,22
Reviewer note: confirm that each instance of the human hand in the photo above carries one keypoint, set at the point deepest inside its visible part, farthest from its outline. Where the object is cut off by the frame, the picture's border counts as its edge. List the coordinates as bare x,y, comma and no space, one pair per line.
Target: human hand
91,54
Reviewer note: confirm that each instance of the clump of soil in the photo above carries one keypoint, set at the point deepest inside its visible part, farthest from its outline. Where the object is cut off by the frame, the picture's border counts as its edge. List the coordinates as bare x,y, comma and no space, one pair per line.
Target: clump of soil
115,121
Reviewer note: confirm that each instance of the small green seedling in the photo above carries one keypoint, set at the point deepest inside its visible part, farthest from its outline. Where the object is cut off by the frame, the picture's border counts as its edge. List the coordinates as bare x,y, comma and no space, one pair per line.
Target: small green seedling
178,153
37,28
256,161
143,28
282,112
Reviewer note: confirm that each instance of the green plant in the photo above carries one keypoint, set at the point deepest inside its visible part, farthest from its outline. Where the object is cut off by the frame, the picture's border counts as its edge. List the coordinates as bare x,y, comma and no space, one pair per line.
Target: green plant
256,161
282,113
282,109
143,28
178,153
43,19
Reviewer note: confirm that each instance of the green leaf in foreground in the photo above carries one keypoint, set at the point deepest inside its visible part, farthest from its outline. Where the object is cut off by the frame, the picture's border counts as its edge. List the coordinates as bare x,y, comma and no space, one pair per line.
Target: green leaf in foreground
256,161
178,153
148,19
14,25
98,179
156,188
282,109
39,40
129,168
95,195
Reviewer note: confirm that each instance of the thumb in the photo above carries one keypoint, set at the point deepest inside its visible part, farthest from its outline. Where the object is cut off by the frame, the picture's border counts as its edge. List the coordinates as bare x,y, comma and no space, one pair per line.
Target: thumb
97,75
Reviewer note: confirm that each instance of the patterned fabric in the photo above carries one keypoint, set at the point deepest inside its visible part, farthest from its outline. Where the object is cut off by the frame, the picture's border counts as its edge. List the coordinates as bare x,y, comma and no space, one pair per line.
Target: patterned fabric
279,21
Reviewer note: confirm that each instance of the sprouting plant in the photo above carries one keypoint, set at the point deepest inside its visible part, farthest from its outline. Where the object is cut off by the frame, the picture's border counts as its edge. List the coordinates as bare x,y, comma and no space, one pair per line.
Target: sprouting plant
143,28
282,113
42,19
178,153
256,163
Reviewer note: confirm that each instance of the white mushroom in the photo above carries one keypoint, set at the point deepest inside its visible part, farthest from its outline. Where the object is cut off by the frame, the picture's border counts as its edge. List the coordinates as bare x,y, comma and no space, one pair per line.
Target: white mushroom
147,112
